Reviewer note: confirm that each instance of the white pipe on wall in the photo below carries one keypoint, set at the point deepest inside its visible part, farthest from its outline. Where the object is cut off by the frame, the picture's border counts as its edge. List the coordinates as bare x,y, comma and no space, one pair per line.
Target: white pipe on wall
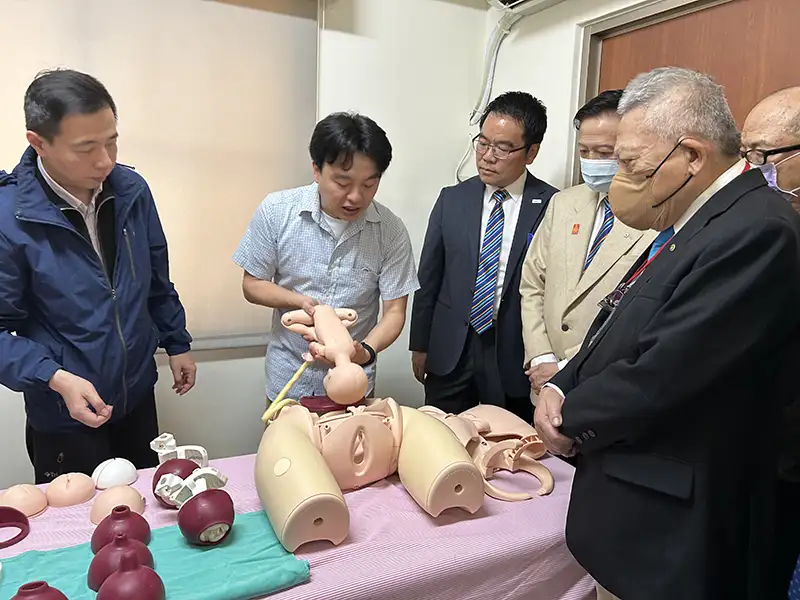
507,20
501,30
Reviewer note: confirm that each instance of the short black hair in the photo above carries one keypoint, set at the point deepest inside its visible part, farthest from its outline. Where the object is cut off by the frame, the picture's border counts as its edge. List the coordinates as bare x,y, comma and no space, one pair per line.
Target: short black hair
526,110
604,102
56,94
340,135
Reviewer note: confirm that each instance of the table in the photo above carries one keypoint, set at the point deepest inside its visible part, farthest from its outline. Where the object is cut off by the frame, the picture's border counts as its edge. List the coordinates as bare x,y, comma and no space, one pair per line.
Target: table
395,551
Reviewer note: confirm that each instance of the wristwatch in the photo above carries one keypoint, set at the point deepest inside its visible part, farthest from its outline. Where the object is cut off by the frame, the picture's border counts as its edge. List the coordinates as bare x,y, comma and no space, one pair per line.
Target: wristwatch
371,353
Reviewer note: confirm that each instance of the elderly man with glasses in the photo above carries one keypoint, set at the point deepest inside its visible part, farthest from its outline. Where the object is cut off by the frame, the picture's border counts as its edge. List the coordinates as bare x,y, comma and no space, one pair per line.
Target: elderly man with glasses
673,407
771,142
466,327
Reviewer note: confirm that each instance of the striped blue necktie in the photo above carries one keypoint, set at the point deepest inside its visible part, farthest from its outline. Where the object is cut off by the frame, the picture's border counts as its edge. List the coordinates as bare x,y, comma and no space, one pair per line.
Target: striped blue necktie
605,229
482,312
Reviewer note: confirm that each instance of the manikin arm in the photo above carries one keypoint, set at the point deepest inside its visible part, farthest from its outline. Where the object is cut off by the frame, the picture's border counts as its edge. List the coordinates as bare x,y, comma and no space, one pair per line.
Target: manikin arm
330,331
299,321
346,383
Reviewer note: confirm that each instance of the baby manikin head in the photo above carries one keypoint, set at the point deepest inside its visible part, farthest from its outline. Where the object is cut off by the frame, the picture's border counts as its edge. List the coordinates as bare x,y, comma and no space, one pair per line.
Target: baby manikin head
346,384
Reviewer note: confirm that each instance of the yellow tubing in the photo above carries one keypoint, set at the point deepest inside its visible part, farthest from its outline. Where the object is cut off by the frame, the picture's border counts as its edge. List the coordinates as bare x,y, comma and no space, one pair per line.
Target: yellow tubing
280,401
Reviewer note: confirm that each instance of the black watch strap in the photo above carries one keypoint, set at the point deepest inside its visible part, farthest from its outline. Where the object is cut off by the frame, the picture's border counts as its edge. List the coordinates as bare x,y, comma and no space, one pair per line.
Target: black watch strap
371,353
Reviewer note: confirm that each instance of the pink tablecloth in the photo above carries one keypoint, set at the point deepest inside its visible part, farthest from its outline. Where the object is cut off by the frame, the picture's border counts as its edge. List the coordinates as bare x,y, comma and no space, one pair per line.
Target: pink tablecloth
395,551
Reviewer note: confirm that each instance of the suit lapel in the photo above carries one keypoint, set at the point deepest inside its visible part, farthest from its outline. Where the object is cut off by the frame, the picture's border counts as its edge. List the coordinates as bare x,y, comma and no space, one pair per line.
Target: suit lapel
530,213
577,232
619,241
720,202
602,322
473,211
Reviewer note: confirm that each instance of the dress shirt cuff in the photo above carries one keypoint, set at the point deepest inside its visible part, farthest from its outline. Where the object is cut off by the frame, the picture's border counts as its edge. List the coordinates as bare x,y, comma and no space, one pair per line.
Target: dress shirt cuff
556,388
562,363
543,358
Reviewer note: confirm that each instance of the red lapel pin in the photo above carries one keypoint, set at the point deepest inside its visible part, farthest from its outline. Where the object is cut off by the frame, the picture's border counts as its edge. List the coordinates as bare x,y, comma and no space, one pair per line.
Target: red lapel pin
576,227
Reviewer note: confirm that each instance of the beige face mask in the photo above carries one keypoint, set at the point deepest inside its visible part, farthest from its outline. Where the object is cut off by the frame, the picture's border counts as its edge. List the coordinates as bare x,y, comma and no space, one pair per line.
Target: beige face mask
634,203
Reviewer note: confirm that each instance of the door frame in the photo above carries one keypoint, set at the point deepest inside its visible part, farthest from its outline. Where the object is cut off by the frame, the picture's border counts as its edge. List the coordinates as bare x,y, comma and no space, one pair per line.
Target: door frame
589,43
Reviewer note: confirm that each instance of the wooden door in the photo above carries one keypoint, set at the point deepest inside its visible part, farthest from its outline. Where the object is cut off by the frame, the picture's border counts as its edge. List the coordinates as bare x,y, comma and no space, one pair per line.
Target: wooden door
748,46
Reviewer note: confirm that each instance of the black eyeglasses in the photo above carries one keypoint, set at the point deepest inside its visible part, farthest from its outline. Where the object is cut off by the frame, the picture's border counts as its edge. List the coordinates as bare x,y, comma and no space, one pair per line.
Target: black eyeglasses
759,157
482,147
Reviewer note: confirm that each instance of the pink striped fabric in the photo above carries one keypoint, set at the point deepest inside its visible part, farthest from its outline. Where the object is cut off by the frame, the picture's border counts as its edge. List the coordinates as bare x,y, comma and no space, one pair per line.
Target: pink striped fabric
395,551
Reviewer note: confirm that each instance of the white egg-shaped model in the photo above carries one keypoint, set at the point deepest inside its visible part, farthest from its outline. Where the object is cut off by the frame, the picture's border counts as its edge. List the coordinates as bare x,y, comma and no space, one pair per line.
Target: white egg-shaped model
114,471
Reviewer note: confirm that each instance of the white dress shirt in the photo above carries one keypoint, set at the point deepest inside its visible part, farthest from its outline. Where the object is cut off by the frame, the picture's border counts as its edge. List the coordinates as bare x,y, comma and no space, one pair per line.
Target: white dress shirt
511,208
87,211
719,183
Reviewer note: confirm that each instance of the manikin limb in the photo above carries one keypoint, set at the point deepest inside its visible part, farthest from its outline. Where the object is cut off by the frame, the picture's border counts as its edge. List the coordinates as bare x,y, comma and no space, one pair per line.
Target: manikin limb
499,440
346,382
299,321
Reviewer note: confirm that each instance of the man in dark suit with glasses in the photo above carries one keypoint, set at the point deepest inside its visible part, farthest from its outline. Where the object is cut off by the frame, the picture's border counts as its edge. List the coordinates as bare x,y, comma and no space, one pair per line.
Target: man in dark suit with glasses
466,325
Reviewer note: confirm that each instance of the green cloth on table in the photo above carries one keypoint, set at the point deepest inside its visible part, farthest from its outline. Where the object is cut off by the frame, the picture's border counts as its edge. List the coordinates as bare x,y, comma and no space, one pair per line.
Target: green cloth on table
249,563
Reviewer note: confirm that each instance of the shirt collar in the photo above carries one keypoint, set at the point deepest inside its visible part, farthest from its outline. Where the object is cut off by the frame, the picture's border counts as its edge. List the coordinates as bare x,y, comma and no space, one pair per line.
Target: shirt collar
515,190
719,183
64,194
310,200
600,197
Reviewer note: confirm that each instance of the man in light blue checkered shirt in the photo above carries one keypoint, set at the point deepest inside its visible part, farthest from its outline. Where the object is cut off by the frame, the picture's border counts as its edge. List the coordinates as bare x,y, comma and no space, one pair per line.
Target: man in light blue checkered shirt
330,243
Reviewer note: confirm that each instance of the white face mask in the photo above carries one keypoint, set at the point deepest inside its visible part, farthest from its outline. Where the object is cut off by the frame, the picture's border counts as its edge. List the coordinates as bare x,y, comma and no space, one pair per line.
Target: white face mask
770,171
597,173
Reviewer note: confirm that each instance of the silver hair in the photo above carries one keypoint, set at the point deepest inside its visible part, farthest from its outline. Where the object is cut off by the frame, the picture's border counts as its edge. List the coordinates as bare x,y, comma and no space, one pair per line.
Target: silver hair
678,102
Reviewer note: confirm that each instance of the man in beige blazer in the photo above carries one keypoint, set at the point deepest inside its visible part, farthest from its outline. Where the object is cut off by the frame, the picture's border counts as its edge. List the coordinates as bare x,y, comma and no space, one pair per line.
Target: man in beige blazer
579,253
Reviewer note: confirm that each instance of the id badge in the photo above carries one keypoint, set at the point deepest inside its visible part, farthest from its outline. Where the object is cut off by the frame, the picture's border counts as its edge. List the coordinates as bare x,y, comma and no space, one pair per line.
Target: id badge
611,301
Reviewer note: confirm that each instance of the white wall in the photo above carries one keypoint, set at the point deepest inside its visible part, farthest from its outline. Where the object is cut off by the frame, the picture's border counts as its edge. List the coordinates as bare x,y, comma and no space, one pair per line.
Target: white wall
539,57
413,66
200,118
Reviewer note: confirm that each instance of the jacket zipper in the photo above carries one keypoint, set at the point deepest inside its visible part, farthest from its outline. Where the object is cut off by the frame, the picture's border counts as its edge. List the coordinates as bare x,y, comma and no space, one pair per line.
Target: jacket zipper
117,319
130,252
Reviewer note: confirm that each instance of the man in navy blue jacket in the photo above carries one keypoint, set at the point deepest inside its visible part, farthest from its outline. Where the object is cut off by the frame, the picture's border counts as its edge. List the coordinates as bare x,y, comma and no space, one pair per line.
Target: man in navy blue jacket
85,293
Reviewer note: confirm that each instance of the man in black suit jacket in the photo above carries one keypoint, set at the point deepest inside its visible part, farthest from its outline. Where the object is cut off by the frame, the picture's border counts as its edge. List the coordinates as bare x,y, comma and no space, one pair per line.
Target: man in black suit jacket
771,141
672,407
466,327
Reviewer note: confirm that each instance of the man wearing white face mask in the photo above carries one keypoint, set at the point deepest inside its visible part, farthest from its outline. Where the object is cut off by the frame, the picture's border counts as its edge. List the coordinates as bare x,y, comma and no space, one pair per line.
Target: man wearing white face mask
580,251
771,142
